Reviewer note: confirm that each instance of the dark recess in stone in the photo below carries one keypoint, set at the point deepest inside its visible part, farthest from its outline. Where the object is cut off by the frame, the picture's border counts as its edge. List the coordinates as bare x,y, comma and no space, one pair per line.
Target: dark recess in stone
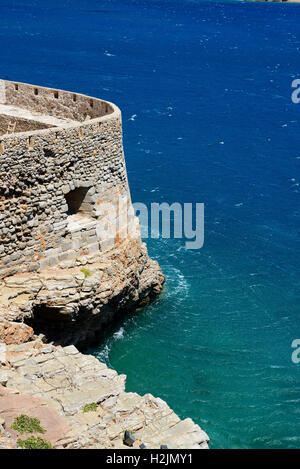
49,153
129,438
75,199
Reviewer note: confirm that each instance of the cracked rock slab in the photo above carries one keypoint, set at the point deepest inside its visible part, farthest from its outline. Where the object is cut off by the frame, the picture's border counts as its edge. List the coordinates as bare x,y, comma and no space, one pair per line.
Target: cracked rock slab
55,383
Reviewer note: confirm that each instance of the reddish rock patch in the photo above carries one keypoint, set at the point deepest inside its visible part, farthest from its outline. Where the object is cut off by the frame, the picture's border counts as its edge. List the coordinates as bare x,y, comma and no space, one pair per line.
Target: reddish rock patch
12,406
15,333
5,391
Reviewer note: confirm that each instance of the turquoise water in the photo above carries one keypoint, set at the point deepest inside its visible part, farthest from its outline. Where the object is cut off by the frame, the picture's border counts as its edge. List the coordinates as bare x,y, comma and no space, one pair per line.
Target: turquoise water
205,90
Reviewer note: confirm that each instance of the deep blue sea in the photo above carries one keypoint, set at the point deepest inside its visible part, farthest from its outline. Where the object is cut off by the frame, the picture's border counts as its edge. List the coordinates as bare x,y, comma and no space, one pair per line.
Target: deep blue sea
205,91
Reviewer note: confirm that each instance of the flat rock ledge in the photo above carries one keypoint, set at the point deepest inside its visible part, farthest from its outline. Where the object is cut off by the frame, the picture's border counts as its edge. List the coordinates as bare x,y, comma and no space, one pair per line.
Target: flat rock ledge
54,383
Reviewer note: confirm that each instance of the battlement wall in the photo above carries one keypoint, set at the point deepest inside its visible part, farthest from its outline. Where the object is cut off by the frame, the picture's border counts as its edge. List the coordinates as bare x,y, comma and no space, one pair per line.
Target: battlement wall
59,103
55,183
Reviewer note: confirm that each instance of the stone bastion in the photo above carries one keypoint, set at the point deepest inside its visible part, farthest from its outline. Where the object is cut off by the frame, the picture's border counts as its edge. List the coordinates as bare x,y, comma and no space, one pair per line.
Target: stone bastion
71,255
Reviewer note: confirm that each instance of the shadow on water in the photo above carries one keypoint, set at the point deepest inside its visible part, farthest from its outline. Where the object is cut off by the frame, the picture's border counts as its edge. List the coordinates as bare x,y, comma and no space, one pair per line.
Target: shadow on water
107,336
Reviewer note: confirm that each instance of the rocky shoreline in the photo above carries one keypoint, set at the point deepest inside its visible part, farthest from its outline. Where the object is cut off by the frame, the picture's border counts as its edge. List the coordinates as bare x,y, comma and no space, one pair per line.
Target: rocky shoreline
55,384
44,376
71,261
72,303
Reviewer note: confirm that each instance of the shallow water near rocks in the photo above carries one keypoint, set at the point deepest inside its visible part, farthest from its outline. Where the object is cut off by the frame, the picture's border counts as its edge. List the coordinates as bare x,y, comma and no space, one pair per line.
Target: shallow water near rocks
205,91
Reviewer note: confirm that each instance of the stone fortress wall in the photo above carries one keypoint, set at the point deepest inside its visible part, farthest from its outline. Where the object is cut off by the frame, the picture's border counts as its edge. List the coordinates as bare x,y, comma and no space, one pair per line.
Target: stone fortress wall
48,175
68,261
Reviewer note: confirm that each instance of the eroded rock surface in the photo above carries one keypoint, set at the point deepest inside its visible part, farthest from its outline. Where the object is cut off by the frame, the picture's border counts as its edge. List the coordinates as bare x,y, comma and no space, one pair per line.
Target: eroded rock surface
55,383
15,333
71,259
72,302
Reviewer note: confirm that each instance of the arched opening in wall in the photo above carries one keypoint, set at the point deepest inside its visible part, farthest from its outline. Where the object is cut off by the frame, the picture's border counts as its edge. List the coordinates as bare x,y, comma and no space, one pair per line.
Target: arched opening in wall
76,201
80,206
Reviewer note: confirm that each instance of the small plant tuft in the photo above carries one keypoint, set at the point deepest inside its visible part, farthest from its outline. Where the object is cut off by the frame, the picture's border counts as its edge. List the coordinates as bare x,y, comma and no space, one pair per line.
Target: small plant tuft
90,407
26,424
86,272
34,443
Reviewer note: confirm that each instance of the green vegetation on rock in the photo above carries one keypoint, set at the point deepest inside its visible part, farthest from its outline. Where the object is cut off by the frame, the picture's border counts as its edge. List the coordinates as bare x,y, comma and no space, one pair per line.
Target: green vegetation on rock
26,424
90,407
86,272
34,443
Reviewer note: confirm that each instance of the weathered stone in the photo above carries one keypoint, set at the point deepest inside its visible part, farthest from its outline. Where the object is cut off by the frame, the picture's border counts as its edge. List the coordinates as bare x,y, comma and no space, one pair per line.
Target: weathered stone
129,438
15,333
80,380
56,429
3,377
71,258
64,197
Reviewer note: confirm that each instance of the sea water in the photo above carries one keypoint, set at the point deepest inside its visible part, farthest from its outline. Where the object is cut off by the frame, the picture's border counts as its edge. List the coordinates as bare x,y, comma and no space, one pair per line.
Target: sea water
205,92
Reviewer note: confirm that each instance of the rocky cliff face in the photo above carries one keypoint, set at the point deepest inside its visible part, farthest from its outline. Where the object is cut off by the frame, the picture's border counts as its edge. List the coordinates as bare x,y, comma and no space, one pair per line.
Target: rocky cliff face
72,305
